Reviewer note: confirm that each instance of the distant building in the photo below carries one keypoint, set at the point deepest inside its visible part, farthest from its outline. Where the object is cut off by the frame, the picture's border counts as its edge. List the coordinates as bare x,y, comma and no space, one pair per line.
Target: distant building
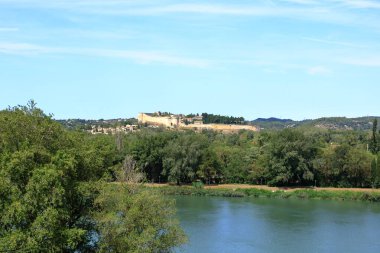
112,130
180,121
171,121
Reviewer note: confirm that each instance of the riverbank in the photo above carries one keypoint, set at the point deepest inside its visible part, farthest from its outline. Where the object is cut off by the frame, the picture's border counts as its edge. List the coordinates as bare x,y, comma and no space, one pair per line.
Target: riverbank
357,194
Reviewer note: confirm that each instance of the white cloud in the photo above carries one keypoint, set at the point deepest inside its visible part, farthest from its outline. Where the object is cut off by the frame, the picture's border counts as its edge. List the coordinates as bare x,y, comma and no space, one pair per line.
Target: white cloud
141,57
306,2
9,29
130,7
23,49
363,61
361,4
326,11
333,42
213,9
145,57
318,70
323,13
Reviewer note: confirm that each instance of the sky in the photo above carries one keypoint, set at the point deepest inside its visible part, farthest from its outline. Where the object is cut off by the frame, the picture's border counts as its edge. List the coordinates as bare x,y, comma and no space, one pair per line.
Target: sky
92,59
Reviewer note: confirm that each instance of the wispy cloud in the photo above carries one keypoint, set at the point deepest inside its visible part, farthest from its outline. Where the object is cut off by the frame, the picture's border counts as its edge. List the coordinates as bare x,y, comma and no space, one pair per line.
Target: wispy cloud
151,6
141,57
334,42
321,13
326,11
318,70
114,7
24,49
315,13
305,2
363,61
220,9
361,4
9,29
146,57
75,4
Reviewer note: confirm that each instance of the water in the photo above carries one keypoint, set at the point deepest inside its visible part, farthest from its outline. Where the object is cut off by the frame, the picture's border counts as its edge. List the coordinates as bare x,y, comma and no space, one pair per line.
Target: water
270,225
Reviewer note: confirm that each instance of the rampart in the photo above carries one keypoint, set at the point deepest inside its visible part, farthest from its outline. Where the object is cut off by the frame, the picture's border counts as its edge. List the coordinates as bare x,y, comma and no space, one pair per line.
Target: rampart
177,121
168,121
220,127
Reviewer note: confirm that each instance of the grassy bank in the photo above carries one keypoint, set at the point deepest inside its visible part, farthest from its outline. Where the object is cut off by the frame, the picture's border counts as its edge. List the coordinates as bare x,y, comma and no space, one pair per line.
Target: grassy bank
372,196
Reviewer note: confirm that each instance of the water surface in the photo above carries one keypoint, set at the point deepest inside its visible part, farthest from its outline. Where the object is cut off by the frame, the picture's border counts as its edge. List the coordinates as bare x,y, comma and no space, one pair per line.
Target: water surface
220,225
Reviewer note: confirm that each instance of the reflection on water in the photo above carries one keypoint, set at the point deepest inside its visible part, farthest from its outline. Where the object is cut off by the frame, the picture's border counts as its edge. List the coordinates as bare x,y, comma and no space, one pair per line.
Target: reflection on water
270,225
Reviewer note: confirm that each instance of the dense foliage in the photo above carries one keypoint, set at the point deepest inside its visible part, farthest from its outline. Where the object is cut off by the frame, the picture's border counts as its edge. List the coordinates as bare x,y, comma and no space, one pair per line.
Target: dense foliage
220,119
333,123
53,184
143,224
303,156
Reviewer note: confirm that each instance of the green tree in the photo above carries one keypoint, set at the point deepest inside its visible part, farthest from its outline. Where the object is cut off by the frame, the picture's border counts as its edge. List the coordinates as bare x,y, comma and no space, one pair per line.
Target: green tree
133,219
147,148
375,172
373,145
53,197
183,157
209,170
344,166
41,190
136,221
290,156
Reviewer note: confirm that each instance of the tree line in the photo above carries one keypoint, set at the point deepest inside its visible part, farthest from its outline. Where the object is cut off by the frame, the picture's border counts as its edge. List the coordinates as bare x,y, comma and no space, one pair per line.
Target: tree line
220,119
291,157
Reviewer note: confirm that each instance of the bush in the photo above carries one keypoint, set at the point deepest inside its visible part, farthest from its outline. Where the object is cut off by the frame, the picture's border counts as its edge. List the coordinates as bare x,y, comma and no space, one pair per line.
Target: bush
198,185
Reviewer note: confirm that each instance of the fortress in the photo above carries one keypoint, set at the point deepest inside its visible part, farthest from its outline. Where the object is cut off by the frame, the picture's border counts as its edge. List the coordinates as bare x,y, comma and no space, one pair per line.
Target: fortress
179,121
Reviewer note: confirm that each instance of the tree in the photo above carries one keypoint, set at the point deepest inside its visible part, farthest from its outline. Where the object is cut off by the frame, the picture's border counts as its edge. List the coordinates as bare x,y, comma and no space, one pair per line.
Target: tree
182,157
147,148
131,219
55,194
220,119
209,169
344,166
290,156
373,145
43,205
375,171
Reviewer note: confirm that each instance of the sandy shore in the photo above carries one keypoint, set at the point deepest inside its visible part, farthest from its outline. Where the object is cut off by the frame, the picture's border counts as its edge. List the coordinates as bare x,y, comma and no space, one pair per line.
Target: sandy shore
265,187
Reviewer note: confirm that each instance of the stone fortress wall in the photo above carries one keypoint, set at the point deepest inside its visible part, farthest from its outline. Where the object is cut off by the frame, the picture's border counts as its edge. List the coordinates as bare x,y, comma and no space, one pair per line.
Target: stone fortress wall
149,118
221,127
178,121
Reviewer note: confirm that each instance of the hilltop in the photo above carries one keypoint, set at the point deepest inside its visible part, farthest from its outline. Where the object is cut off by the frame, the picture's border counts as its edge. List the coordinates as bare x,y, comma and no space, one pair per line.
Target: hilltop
226,124
86,124
331,123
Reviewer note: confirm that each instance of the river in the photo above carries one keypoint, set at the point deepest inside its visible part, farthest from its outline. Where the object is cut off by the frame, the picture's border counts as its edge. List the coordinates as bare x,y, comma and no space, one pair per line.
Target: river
220,225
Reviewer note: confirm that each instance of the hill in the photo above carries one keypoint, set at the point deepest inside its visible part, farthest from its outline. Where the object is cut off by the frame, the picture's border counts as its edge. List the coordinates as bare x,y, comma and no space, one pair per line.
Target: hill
85,124
333,123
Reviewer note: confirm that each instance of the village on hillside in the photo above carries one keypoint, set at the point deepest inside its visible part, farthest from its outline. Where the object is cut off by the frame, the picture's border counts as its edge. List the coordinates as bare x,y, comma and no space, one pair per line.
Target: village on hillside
169,121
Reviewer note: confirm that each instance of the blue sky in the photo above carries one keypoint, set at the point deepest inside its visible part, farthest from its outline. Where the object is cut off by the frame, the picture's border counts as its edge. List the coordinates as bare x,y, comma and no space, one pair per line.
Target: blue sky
105,59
